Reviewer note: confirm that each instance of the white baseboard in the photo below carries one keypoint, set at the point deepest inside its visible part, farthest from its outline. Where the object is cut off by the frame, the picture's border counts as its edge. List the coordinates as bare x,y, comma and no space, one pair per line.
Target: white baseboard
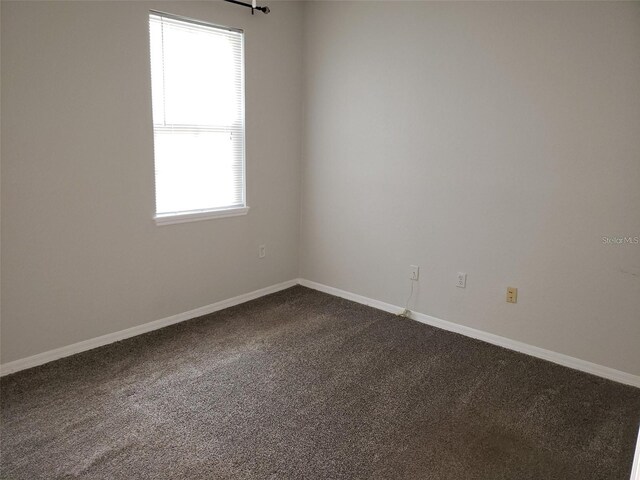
45,357
635,469
559,358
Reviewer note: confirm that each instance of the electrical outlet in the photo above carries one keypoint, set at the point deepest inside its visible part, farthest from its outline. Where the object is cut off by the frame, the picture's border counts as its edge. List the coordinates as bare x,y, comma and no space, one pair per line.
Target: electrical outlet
414,272
262,251
512,295
462,280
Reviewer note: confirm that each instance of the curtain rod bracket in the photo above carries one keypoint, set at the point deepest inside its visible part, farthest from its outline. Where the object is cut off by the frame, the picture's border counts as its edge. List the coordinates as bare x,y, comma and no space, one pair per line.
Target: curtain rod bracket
252,6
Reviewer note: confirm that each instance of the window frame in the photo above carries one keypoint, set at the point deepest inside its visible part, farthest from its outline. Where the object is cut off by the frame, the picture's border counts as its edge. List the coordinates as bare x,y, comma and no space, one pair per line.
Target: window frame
209,213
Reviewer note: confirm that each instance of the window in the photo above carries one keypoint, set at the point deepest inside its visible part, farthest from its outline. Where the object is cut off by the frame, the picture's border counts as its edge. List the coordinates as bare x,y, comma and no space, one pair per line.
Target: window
197,81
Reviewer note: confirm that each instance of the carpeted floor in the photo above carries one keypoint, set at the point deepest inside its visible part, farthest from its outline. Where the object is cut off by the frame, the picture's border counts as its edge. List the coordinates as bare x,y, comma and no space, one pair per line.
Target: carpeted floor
300,384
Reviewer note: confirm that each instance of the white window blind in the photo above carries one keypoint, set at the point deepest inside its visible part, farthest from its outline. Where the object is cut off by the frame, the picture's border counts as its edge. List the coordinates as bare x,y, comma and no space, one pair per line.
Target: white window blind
197,80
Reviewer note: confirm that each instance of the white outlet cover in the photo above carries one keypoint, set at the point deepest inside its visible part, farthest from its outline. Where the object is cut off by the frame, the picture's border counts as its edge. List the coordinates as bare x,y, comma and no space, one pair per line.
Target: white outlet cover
462,280
414,272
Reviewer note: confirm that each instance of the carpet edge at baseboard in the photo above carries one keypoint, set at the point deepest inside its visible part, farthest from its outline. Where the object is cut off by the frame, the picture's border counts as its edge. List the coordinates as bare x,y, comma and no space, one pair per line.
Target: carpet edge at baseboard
554,357
82,346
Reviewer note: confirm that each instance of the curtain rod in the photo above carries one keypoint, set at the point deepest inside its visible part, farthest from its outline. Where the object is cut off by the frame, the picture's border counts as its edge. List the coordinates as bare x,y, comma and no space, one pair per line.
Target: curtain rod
252,6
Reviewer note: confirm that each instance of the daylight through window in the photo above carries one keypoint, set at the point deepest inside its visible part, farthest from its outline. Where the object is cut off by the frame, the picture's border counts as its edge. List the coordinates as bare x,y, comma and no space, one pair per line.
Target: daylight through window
197,77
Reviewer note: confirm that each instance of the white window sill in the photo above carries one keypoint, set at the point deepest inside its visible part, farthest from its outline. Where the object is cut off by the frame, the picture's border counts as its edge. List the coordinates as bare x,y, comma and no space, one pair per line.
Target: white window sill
171,218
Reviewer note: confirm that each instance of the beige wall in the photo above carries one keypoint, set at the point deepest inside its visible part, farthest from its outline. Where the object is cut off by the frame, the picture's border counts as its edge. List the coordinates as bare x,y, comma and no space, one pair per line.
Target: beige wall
497,139
81,255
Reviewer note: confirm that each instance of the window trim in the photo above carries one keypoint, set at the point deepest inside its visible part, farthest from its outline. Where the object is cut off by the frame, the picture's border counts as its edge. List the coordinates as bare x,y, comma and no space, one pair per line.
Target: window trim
222,212
198,215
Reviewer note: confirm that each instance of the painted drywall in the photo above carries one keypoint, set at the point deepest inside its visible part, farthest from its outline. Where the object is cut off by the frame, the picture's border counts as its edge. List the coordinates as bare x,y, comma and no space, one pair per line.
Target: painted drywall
497,139
81,254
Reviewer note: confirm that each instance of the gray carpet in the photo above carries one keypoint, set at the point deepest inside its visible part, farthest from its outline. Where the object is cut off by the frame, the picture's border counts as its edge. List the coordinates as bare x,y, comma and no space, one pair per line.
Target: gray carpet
300,384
